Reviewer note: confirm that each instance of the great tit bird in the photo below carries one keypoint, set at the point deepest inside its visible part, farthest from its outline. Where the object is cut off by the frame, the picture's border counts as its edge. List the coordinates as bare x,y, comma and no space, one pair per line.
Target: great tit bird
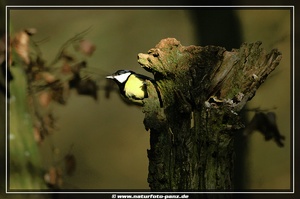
133,86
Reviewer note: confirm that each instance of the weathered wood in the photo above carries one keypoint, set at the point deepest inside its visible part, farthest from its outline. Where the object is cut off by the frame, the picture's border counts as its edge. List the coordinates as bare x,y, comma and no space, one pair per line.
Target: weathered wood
202,89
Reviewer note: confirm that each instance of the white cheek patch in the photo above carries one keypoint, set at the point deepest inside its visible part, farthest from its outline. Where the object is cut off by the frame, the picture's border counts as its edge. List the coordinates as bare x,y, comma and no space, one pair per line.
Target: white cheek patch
122,78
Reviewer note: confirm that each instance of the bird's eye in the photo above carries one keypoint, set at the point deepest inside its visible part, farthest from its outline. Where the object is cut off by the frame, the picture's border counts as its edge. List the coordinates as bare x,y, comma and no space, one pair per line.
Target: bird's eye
121,72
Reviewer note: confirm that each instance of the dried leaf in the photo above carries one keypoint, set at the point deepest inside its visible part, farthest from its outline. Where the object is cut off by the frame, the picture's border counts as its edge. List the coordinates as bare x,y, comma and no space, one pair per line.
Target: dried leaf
66,68
30,31
45,98
38,137
60,91
86,47
21,45
53,177
87,87
48,77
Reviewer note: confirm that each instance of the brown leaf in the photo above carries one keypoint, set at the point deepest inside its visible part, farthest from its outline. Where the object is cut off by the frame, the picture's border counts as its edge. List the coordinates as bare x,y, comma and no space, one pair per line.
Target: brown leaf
48,77
60,91
20,43
53,177
87,87
86,47
45,98
66,68
37,135
30,31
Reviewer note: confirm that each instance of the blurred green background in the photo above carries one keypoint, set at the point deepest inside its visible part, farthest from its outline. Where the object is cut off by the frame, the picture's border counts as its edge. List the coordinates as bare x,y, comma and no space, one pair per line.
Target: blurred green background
109,140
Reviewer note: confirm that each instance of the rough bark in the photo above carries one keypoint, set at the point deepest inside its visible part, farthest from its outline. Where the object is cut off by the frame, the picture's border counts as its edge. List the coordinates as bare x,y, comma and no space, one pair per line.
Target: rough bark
202,90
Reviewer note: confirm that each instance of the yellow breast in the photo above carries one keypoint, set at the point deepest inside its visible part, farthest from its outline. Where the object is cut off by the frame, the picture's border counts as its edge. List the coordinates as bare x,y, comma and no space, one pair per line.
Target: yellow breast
134,88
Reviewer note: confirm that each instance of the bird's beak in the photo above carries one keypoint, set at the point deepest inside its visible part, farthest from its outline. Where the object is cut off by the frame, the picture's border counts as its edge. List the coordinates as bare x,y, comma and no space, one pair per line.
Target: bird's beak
109,77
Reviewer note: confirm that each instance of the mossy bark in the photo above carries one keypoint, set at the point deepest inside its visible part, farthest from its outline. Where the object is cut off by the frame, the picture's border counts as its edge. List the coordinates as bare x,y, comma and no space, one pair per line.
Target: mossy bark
202,90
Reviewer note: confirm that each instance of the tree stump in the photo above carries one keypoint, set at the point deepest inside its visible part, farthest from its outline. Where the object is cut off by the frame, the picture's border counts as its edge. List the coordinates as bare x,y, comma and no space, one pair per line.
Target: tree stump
202,90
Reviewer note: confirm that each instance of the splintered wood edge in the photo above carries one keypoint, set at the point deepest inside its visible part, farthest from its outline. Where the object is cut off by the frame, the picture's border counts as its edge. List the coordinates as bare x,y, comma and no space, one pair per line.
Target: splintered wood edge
234,73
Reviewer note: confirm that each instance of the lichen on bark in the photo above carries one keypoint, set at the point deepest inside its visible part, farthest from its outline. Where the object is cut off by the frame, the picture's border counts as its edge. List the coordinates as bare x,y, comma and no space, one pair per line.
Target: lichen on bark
202,90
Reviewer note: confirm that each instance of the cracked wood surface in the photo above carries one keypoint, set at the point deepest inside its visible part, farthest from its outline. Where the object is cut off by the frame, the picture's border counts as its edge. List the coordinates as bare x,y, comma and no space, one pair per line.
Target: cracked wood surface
202,90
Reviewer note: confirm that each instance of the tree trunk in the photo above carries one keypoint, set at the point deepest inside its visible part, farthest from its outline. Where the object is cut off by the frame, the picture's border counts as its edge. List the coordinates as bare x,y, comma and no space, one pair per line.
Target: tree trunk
202,91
